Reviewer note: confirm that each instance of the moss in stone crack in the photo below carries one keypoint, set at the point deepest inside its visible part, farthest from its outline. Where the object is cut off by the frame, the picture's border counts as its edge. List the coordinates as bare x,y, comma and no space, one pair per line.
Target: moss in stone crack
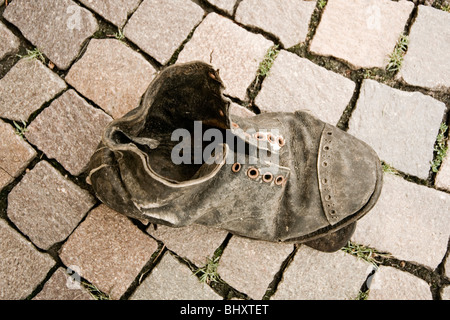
440,148
365,253
362,295
267,63
388,169
322,3
263,72
443,5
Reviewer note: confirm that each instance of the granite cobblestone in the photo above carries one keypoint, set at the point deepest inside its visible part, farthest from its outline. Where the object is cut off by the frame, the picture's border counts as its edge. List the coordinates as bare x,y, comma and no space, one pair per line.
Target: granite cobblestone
57,27
39,85
51,223
10,43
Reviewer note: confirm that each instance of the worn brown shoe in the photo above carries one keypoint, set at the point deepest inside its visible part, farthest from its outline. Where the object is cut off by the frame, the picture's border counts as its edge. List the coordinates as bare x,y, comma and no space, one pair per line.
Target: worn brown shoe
284,177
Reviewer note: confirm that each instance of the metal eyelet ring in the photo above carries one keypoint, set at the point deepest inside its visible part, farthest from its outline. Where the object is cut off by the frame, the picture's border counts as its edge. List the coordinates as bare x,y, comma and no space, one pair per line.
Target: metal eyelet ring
267,177
280,180
281,141
260,136
236,167
235,125
252,173
270,138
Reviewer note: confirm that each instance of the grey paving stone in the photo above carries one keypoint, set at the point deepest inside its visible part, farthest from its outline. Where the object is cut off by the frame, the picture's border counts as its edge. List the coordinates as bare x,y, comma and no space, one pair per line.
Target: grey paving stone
296,83
109,250
249,266
196,243
62,287
69,130
112,75
159,27
46,206
446,293
443,176
226,5
392,284
410,221
22,266
362,32
426,61
237,110
401,126
314,275
288,20
170,280
10,43
112,10
57,27
15,154
26,87
230,48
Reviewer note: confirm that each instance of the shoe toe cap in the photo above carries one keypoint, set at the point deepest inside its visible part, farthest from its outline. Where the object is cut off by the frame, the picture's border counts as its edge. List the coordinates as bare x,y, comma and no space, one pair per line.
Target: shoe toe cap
349,173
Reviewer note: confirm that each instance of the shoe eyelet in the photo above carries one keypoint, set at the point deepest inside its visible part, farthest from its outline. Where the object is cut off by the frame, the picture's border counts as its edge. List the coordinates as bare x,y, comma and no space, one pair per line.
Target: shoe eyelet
280,180
253,173
281,141
236,167
260,136
267,177
235,125
270,138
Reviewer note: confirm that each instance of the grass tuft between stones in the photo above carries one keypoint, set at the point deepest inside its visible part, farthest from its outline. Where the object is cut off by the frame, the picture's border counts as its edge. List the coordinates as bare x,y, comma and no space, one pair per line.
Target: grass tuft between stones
36,53
365,253
440,148
20,130
396,58
208,273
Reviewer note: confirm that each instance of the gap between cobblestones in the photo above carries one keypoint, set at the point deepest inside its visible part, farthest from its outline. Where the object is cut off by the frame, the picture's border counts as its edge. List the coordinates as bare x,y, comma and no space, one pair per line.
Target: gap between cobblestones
174,57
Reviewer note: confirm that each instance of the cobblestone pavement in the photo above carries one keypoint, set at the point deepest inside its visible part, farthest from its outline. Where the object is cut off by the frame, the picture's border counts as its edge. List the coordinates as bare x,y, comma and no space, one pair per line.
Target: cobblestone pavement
67,68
